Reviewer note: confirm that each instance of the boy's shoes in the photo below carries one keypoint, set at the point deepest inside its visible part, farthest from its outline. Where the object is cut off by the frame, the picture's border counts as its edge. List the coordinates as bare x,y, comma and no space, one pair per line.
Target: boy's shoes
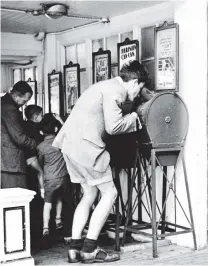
73,255
99,255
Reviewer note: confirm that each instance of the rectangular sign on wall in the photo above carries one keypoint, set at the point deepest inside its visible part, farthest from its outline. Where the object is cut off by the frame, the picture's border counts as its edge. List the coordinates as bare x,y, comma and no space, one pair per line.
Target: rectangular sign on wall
128,51
55,92
71,86
166,57
101,65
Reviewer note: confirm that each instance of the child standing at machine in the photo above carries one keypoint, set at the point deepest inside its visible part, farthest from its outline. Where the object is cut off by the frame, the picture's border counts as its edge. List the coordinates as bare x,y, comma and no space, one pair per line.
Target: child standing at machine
56,178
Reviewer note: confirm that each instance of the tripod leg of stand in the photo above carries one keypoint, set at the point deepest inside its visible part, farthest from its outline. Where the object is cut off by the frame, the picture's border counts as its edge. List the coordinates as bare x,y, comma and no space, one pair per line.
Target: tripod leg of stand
163,198
118,187
129,193
189,201
148,180
154,228
175,199
139,183
117,248
129,205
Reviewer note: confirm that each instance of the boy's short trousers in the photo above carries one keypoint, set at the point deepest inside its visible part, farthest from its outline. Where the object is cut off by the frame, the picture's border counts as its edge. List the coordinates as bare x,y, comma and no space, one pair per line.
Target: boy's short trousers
56,187
80,174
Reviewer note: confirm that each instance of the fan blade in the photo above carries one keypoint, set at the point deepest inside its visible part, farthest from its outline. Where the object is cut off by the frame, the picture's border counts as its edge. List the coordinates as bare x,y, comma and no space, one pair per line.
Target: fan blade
83,17
12,10
32,11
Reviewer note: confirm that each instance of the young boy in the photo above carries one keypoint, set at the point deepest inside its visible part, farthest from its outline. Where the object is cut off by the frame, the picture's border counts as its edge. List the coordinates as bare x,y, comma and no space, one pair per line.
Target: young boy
34,115
56,178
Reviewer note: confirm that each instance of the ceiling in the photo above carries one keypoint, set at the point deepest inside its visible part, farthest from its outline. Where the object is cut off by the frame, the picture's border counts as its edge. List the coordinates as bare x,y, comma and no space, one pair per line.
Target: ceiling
20,22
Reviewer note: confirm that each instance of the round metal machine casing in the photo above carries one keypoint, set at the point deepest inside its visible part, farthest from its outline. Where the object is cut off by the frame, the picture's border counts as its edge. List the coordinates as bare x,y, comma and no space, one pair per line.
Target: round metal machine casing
164,121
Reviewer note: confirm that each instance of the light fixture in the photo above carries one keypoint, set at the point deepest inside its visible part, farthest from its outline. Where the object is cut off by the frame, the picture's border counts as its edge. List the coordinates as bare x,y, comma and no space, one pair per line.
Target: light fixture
56,11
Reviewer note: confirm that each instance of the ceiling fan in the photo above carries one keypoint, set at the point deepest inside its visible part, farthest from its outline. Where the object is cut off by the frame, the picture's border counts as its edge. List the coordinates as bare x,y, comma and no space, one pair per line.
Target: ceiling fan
55,11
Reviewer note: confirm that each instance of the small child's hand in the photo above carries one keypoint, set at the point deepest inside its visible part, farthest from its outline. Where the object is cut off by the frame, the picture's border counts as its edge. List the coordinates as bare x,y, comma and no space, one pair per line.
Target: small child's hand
42,191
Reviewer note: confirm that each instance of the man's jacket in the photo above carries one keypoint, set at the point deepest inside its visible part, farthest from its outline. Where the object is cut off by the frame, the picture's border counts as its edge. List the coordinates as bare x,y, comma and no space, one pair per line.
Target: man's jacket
97,112
14,141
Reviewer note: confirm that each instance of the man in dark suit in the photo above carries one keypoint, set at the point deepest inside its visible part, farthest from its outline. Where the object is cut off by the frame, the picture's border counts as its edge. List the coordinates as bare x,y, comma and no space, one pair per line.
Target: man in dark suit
14,141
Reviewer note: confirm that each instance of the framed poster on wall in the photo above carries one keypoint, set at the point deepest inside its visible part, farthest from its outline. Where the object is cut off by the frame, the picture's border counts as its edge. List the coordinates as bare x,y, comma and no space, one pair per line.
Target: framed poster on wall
101,65
54,92
166,57
71,86
33,85
127,51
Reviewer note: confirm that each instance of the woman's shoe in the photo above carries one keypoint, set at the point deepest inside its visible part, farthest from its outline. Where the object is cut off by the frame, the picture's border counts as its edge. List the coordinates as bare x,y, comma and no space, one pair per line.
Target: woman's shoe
73,255
99,255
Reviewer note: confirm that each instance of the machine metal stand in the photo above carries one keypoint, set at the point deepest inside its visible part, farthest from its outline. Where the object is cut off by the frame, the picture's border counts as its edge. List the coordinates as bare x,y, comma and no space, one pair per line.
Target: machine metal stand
117,219
160,157
158,144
